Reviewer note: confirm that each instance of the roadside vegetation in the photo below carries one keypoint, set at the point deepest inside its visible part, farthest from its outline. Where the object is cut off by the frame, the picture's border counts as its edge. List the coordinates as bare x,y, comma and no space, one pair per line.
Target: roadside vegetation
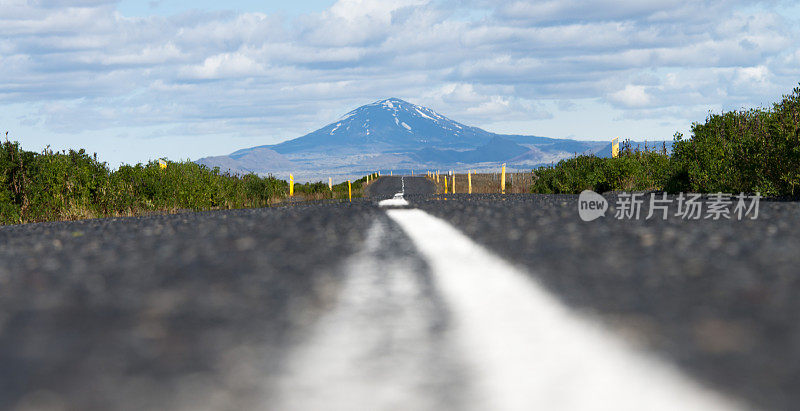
632,170
756,150
70,185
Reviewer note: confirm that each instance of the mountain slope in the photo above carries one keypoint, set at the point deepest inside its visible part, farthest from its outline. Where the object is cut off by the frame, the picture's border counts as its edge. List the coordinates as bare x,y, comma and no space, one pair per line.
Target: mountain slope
497,149
395,134
251,160
390,124
386,125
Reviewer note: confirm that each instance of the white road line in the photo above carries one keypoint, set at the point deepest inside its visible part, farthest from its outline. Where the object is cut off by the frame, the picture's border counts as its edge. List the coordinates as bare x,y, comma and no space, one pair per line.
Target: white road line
396,201
375,349
530,352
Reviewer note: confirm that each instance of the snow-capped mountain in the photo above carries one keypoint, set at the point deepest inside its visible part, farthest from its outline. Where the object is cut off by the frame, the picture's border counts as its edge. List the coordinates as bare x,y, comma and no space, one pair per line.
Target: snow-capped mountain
395,134
390,124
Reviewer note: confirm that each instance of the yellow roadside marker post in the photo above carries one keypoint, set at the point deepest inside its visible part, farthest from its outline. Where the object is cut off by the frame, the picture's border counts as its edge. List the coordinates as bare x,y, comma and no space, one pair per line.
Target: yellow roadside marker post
330,184
162,164
453,184
437,176
615,147
445,183
390,173
469,181
291,185
349,192
503,180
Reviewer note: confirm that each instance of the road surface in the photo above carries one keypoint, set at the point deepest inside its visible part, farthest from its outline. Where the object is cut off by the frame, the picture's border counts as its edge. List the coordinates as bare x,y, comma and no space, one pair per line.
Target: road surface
423,302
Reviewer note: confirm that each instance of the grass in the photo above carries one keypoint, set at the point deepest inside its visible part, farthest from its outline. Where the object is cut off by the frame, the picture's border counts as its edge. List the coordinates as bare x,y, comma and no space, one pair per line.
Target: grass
486,183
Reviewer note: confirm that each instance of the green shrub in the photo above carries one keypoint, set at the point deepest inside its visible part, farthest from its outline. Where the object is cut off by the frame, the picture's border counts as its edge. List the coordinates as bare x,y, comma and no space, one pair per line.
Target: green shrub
71,184
744,151
13,181
747,151
646,170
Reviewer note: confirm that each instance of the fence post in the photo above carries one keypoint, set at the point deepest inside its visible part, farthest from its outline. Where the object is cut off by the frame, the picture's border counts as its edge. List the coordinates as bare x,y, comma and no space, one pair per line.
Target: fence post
503,180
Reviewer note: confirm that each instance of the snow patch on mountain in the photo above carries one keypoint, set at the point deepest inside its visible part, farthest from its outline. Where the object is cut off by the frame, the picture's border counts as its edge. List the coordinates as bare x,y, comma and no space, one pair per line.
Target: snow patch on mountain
423,114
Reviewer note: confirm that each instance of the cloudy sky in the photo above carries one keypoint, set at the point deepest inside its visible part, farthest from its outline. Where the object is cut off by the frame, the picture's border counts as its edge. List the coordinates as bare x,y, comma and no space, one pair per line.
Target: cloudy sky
136,80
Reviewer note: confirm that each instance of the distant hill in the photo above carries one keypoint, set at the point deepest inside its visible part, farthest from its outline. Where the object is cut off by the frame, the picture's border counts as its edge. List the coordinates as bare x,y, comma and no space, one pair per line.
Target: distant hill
247,161
395,134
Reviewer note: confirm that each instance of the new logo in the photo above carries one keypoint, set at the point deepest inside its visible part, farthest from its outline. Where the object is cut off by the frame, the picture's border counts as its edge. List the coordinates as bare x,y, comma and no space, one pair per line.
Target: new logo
591,205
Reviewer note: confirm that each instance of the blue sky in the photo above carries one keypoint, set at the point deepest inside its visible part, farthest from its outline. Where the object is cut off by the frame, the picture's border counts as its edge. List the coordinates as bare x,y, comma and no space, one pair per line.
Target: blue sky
137,80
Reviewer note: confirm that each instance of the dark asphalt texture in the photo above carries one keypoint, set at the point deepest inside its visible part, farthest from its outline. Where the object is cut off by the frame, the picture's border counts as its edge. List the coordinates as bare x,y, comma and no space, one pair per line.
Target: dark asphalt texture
145,313
719,298
414,187
198,310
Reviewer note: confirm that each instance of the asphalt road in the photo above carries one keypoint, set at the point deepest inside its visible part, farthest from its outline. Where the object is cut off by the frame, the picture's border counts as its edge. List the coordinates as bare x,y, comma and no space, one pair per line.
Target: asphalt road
310,306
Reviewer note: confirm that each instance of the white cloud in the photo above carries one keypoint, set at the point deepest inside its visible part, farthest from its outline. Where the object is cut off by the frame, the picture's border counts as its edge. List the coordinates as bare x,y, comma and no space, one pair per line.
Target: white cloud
356,10
495,106
226,65
458,93
752,74
632,96
80,64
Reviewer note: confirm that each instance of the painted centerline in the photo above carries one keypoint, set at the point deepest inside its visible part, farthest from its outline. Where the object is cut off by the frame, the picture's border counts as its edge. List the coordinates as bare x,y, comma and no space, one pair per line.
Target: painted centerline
526,349
380,347
396,201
